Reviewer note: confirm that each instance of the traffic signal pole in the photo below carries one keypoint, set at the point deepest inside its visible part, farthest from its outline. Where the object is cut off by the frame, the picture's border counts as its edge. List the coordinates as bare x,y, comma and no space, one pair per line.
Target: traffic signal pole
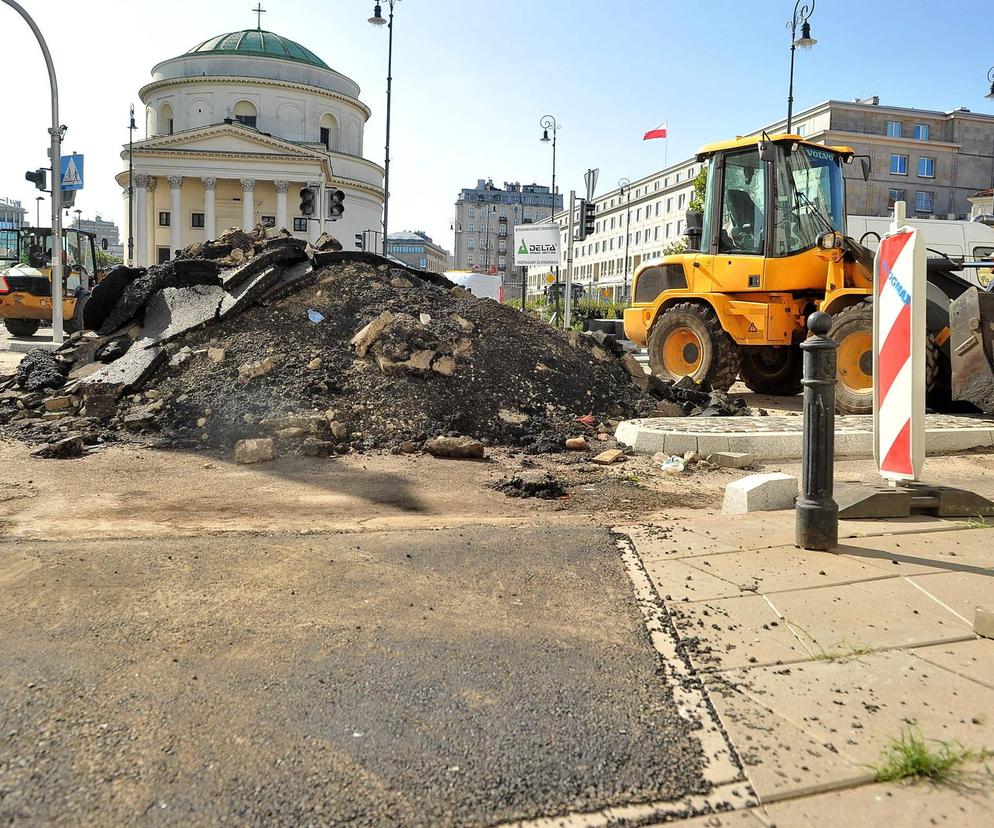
568,297
55,153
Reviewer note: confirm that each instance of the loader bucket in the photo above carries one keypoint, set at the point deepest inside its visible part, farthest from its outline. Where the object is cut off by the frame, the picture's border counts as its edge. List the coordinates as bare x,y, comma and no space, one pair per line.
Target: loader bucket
971,351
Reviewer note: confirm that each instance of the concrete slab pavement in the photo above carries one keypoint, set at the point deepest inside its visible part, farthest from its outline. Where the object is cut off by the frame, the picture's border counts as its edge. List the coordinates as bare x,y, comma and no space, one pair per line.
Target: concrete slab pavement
813,661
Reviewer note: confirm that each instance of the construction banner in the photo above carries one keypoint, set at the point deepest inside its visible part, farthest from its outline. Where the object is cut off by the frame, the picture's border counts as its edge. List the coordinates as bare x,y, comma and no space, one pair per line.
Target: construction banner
536,244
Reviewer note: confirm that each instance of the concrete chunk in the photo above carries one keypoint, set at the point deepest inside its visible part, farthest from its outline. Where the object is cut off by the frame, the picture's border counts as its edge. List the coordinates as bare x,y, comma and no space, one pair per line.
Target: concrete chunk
254,451
461,448
983,622
760,493
732,459
364,339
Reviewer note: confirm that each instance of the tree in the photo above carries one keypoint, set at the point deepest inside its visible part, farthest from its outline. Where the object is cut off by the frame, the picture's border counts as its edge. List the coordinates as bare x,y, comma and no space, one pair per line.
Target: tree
700,189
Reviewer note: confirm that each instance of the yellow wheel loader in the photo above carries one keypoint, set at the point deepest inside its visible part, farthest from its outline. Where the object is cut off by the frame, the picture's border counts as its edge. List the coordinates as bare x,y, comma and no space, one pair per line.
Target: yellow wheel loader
26,278
771,249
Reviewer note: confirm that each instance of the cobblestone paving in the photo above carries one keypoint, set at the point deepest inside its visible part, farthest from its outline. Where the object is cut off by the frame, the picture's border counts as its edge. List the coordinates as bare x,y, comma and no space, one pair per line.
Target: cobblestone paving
794,424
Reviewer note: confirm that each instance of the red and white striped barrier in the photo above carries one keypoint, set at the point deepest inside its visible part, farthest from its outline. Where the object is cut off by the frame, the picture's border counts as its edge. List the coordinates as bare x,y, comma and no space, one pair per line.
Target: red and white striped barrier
899,342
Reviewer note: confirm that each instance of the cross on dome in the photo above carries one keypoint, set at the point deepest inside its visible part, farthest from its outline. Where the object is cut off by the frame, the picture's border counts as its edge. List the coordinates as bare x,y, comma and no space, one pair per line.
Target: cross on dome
259,12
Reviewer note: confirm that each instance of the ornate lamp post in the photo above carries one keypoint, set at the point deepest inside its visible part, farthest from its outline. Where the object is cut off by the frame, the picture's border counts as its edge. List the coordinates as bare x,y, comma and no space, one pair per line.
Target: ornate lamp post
378,20
802,13
548,122
626,190
990,96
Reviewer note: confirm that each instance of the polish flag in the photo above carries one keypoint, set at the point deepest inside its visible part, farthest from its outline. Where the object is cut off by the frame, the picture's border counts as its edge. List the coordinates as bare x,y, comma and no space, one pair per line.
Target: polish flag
658,132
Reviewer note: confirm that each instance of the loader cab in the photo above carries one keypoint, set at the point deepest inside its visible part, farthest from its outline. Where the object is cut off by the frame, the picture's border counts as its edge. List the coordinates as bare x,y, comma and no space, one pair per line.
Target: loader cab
768,205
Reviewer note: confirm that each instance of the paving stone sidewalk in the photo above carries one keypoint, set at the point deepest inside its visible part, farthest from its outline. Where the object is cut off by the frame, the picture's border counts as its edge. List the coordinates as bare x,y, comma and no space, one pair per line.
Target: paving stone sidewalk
814,661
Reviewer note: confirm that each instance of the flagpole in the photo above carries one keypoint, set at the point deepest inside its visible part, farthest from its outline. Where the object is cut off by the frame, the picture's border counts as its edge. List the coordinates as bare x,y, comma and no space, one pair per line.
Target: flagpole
666,149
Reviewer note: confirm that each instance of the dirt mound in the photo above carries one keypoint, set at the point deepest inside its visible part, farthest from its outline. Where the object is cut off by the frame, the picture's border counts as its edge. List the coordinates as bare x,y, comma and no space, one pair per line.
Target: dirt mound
390,359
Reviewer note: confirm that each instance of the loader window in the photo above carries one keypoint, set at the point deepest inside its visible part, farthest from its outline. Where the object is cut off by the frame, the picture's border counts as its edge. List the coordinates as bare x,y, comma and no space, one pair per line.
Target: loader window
809,199
742,204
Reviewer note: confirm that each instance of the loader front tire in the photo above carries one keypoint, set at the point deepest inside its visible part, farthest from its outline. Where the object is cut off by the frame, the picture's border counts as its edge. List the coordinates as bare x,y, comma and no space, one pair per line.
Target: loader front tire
852,329
688,340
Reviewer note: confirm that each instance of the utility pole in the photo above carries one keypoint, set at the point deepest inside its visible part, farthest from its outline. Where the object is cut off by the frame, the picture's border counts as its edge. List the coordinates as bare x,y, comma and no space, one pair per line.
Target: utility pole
55,154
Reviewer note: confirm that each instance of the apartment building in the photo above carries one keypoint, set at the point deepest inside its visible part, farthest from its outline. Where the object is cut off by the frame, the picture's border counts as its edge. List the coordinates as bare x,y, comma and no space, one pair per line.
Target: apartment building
483,226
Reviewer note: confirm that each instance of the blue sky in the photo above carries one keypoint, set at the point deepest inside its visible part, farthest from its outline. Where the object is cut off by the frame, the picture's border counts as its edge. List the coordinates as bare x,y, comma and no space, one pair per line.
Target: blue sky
471,79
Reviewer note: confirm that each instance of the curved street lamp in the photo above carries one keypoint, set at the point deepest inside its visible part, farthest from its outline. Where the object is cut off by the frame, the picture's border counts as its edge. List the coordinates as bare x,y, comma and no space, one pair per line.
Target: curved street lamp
990,77
802,13
990,96
548,122
626,190
378,20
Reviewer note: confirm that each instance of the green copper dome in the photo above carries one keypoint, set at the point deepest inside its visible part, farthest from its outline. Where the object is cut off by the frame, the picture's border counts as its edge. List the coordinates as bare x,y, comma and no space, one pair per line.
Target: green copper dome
258,43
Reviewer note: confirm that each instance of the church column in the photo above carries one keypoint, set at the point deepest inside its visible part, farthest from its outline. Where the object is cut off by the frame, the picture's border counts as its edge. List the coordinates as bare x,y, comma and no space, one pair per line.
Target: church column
175,214
210,212
248,203
141,219
281,216
148,227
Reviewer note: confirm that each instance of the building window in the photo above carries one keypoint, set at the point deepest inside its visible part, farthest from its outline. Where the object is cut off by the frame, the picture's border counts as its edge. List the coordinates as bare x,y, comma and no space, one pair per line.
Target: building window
326,137
638,214
921,132
638,237
893,196
681,200
657,208
802,130
926,168
245,113
899,165
471,244
269,221
300,225
669,229
923,202
197,220
655,234
163,219
472,228
423,263
894,129
162,255
669,205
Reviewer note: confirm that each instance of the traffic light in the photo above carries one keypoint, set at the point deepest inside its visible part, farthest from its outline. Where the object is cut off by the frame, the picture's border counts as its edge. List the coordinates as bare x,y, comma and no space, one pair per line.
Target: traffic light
359,242
307,201
336,204
585,225
587,218
39,177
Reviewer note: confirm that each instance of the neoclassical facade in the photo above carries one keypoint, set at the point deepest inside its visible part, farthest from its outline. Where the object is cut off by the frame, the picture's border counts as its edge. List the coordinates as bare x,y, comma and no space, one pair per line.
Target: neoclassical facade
235,128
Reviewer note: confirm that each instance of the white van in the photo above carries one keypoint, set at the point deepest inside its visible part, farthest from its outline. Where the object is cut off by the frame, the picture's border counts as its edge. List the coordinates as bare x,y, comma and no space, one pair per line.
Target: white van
968,240
482,285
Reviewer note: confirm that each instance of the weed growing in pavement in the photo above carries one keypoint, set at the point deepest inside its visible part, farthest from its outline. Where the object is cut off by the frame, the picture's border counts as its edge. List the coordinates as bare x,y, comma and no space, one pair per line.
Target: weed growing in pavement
979,522
840,651
912,756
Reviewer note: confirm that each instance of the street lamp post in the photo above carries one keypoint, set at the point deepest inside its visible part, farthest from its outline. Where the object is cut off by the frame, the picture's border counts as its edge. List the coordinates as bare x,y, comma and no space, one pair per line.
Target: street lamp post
626,190
802,13
990,96
131,190
55,156
547,123
378,20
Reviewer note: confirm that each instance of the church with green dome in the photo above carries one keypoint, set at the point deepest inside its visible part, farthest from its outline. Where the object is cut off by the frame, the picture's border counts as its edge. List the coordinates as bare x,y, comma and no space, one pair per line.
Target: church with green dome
235,127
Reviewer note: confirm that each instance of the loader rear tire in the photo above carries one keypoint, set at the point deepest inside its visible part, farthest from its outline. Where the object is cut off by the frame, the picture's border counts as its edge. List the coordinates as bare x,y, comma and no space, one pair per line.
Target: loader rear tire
688,340
852,329
22,327
772,370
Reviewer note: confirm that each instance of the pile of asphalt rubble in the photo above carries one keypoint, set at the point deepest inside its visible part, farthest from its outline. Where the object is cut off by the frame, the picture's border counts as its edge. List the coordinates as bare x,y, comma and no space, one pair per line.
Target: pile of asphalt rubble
260,342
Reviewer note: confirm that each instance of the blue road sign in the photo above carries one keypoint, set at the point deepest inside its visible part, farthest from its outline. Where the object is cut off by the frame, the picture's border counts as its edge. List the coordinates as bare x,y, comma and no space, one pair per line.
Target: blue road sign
71,172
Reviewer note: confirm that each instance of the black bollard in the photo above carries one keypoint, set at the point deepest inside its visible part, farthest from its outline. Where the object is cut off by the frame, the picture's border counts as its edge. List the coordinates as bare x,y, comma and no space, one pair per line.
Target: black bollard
817,513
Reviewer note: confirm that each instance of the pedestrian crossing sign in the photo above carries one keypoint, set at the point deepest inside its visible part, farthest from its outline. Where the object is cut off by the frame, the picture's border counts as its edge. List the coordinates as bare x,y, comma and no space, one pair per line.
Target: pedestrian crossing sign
72,172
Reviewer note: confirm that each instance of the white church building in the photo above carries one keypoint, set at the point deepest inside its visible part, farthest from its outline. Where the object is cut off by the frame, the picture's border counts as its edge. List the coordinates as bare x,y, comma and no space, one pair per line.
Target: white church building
235,128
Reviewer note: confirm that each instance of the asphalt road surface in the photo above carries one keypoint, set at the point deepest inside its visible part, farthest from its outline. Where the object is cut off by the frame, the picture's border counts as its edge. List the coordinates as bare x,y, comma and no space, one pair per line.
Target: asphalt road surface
458,676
